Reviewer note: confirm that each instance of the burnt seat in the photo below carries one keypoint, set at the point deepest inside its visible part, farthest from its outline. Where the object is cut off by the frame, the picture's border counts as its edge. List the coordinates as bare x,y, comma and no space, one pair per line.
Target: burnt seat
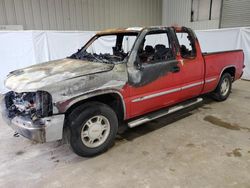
160,52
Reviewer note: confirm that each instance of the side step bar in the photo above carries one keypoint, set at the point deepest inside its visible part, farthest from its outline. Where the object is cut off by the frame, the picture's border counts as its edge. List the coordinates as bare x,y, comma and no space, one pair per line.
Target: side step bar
161,113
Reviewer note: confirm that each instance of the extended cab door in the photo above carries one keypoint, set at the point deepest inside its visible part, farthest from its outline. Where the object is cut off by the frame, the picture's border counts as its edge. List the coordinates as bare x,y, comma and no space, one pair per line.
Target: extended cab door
191,76
151,77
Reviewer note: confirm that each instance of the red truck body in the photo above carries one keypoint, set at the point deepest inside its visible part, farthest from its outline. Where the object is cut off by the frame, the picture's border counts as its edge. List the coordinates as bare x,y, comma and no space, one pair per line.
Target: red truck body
94,90
197,76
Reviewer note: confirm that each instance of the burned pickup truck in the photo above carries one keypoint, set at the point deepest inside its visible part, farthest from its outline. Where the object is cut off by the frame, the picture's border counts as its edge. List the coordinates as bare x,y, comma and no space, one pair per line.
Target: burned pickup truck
131,75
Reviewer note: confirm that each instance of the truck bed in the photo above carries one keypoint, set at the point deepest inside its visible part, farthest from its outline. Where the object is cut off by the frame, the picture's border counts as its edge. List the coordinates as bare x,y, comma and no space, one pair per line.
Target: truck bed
216,62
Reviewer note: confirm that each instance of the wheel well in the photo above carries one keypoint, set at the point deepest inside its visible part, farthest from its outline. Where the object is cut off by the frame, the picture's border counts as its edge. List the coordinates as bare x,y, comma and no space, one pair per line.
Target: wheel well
113,100
231,71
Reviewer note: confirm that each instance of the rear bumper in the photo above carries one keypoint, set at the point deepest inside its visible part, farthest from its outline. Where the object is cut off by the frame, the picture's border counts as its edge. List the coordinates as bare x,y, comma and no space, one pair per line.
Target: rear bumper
43,130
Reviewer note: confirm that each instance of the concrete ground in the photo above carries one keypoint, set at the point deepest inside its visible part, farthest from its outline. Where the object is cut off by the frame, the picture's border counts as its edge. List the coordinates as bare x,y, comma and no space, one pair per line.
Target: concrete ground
208,146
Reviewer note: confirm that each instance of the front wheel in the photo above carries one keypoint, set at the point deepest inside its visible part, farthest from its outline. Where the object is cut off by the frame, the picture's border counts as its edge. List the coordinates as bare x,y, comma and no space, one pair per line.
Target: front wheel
223,89
93,128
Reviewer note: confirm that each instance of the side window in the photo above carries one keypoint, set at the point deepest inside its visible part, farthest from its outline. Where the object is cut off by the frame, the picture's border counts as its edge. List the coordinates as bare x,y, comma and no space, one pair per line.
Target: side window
187,46
155,48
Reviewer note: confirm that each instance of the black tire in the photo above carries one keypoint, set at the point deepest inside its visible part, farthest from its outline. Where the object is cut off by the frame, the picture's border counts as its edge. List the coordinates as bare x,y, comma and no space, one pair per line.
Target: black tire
218,93
79,117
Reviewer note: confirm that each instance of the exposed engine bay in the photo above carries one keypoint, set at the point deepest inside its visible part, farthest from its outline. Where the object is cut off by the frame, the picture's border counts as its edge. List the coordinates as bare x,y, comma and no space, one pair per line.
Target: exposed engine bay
33,105
103,58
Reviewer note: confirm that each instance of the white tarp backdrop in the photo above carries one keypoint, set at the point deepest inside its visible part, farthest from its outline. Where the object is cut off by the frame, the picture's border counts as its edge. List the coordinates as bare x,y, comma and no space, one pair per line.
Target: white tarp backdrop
19,49
227,39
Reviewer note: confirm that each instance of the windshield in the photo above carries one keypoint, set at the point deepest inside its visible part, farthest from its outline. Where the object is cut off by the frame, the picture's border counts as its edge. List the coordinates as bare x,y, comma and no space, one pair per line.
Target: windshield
107,48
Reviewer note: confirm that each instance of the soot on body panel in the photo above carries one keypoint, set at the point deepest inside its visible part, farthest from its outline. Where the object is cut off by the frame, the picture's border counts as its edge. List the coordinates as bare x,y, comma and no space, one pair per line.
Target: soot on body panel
151,72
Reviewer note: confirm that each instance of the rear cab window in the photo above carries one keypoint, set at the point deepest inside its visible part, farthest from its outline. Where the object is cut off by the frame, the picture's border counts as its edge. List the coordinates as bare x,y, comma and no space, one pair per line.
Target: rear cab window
187,44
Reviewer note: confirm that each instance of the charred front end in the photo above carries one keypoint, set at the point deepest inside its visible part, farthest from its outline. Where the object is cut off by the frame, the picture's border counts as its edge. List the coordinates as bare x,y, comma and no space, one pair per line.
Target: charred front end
31,115
32,105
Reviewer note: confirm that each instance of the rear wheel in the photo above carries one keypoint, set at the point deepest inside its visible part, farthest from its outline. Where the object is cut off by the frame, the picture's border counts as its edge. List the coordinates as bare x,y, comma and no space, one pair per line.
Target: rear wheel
223,89
93,128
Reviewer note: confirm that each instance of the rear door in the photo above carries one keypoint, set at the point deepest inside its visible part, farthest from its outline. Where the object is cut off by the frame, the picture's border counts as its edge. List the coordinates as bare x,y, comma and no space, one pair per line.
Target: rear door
191,63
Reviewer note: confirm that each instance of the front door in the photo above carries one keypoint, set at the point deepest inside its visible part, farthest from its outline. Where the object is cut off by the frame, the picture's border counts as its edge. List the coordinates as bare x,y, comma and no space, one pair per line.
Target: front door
151,84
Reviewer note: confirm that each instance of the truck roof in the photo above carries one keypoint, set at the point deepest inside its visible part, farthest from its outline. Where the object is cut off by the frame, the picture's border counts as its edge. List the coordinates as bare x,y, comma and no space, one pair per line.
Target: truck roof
121,30
129,30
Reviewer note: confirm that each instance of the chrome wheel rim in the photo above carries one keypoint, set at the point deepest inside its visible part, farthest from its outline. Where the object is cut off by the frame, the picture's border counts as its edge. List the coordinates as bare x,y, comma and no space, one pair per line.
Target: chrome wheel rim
225,85
95,131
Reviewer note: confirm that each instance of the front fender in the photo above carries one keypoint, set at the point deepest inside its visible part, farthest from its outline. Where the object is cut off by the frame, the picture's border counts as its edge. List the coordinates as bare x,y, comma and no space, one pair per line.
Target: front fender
66,105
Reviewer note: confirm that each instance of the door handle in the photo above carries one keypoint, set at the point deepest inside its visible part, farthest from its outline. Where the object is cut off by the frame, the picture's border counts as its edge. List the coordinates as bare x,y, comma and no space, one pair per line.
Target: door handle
175,69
